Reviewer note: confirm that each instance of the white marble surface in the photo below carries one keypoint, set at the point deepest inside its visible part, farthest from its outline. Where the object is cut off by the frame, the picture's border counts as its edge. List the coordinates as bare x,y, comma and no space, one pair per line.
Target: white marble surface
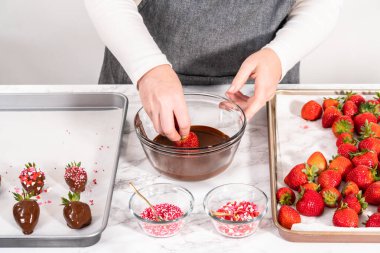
249,166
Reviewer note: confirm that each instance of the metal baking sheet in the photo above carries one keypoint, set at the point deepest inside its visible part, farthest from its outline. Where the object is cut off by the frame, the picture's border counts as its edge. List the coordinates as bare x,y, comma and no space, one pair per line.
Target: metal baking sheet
283,111
53,129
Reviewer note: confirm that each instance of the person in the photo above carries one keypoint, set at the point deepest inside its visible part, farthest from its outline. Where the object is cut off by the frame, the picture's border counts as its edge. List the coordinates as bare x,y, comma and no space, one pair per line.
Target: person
161,44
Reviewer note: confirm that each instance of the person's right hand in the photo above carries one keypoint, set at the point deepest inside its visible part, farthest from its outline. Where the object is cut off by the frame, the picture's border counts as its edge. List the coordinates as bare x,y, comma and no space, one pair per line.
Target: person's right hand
162,97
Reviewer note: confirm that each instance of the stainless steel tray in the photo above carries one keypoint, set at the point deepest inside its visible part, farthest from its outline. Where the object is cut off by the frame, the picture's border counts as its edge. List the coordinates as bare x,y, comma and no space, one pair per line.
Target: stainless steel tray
276,175
53,129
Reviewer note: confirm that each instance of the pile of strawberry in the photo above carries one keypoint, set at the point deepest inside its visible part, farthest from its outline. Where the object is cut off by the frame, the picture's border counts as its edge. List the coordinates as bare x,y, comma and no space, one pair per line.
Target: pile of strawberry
354,123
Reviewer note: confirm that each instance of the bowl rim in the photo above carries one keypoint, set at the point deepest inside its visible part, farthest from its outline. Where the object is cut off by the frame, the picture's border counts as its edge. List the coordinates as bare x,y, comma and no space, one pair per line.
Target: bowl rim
180,150
189,211
257,218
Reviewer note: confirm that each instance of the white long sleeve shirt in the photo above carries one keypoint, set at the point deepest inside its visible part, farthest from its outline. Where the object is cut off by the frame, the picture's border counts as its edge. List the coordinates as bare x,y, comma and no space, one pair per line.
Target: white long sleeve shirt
123,31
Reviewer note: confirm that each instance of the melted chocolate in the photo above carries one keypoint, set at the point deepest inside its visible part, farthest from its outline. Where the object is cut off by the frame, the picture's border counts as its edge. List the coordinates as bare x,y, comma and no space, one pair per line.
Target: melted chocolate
194,167
77,214
26,214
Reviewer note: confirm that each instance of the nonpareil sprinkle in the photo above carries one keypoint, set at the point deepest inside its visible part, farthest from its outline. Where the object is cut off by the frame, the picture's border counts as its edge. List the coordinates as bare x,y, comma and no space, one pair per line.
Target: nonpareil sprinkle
165,211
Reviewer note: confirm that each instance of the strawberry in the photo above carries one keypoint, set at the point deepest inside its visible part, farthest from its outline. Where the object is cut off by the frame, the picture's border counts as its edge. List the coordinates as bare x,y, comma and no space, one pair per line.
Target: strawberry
317,159
342,124
362,118
329,178
327,102
367,158
310,203
356,98
378,209
373,220
26,212
77,214
331,196
75,177
363,176
311,111
356,202
372,194
287,216
285,196
299,175
329,116
310,186
346,149
350,188
345,138
370,130
350,109
345,217
370,106
371,143
190,141
341,164
32,179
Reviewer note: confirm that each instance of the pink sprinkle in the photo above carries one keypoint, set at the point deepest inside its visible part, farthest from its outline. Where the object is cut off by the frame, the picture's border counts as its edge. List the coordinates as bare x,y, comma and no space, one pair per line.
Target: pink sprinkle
305,127
91,202
38,197
49,201
94,181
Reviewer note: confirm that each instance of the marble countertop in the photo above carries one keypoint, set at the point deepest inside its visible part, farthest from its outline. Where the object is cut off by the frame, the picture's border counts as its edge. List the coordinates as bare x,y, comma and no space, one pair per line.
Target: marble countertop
249,166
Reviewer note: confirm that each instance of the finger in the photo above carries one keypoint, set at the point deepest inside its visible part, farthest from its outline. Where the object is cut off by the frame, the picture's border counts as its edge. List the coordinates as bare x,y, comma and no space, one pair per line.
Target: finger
156,123
183,119
258,100
167,125
241,101
245,71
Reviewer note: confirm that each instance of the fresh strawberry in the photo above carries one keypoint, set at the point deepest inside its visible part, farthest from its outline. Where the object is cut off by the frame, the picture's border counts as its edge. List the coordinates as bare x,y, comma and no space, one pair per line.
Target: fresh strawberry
346,149
327,102
371,143
345,217
311,111
318,159
310,203
350,188
32,179
367,158
26,212
363,176
190,141
362,118
285,196
372,194
356,202
370,106
345,138
76,213
287,216
350,109
342,124
356,98
373,220
378,209
329,178
370,130
330,115
299,175
341,164
310,186
75,177
331,196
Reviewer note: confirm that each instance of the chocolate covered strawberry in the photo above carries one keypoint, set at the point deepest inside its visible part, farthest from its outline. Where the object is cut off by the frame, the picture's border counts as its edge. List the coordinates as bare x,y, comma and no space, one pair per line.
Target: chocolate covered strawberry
329,178
299,175
327,102
311,111
345,138
341,164
75,177
373,220
331,196
350,109
189,141
32,179
346,149
350,188
76,213
356,201
330,115
26,212
285,196
287,216
372,194
367,158
342,124
318,159
310,203
345,217
363,176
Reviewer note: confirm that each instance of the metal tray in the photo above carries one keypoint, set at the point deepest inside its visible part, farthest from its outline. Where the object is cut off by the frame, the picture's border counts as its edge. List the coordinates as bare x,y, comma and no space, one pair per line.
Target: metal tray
304,236
53,129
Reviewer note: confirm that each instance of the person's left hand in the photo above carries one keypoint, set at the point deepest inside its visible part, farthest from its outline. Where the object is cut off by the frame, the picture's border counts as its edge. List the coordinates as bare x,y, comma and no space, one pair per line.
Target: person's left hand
264,67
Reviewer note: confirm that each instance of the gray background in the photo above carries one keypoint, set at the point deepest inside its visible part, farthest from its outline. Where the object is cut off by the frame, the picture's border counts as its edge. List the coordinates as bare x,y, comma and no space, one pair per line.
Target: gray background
54,42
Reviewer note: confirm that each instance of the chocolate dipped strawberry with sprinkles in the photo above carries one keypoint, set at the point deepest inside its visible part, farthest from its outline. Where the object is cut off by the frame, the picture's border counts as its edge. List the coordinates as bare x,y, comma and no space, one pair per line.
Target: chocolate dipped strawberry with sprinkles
75,177
32,179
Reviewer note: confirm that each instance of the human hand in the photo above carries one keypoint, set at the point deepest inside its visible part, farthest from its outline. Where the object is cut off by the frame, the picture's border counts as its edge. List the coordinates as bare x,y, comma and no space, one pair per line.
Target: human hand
264,67
162,97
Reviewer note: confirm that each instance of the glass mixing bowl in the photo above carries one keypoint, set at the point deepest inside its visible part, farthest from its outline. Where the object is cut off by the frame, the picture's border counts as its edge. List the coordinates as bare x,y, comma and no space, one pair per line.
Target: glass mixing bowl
193,164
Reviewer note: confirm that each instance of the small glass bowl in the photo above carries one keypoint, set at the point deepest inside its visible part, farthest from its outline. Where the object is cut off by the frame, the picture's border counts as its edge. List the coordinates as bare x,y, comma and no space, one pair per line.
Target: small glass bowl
158,194
219,196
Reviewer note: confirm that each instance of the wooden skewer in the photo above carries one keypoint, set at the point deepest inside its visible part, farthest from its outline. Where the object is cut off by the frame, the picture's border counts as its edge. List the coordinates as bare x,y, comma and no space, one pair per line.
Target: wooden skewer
147,201
220,214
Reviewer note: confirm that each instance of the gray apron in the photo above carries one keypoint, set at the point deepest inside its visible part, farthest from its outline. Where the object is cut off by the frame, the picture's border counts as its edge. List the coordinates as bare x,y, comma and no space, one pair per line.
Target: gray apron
207,41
